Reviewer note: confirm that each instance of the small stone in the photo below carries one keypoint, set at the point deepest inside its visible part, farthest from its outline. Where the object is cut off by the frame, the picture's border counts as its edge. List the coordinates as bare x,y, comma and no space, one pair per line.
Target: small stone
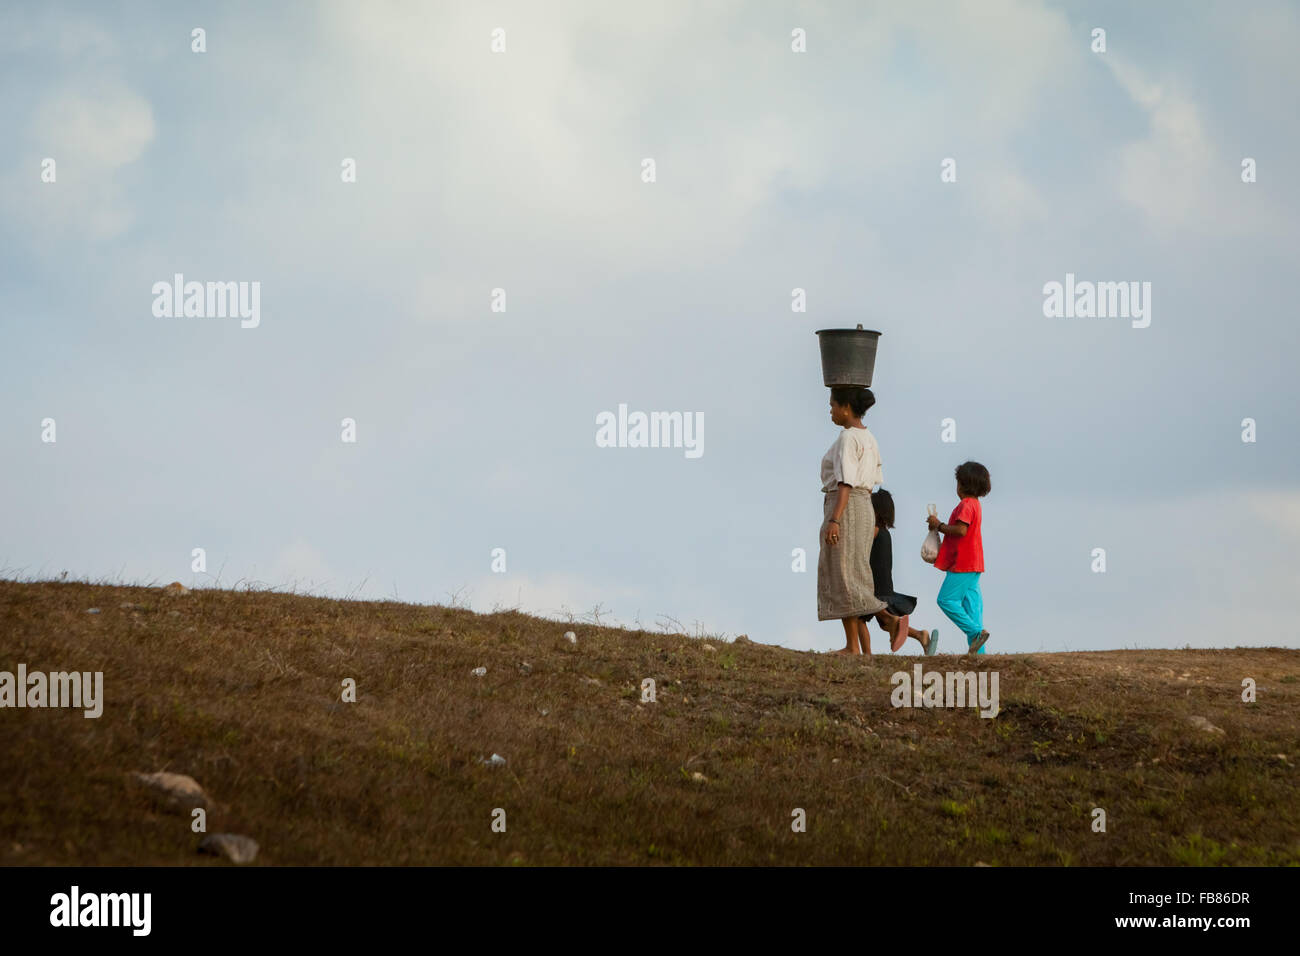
699,777
173,613
981,863
235,848
571,637
709,647
743,639
176,588
1200,723
543,711
174,790
126,605
92,610
479,672
496,760
525,668
592,681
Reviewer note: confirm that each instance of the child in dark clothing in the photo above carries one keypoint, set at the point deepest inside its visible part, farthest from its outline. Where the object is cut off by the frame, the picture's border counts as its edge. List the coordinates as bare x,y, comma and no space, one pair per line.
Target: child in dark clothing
894,619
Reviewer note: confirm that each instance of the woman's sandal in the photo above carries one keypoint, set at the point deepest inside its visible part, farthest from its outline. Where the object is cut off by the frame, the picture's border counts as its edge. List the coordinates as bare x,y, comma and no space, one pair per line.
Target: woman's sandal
899,637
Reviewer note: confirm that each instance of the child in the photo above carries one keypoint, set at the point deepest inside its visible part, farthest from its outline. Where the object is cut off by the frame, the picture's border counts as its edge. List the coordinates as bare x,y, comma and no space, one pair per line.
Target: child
893,620
962,555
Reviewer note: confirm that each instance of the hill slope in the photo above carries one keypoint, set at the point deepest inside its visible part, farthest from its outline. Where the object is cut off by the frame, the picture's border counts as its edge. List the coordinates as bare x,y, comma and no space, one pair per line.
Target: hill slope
241,690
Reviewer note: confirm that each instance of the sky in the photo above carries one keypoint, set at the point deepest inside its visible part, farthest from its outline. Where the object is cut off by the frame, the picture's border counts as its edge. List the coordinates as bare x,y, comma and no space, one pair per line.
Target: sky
524,169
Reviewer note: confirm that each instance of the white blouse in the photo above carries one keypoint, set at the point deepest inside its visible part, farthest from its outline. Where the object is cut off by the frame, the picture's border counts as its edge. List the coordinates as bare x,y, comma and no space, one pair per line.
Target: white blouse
854,459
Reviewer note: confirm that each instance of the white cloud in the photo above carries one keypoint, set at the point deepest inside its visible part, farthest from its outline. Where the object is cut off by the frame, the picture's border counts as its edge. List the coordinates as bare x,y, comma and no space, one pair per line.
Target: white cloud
1006,199
1166,174
48,31
540,148
90,134
1178,175
1277,509
104,128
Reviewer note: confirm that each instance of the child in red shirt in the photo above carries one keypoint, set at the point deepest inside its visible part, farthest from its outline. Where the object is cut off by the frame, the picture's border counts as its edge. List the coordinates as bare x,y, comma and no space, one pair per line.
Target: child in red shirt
962,555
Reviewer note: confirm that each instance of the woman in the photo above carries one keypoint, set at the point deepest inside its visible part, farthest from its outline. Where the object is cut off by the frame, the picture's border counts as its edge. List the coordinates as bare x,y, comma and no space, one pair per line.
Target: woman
850,469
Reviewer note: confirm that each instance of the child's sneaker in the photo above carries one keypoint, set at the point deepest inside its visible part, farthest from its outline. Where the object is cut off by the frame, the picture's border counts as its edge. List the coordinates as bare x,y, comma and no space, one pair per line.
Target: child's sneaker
977,642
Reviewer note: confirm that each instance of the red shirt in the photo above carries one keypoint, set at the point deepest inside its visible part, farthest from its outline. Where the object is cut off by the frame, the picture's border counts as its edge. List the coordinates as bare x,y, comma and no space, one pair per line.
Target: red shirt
963,553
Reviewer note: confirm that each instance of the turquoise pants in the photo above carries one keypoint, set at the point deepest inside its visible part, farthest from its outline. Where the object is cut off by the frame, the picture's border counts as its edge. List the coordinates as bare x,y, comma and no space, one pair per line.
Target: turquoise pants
961,600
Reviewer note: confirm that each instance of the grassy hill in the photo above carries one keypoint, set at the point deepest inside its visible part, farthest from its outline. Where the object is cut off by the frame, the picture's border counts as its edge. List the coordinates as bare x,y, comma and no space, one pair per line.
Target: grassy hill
241,690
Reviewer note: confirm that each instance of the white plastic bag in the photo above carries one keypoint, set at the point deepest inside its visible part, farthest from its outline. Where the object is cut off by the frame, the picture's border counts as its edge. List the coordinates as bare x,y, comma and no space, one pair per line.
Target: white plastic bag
930,547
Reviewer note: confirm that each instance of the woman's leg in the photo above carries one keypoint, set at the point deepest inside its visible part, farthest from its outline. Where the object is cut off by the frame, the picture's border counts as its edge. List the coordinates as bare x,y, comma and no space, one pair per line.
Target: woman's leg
850,635
864,636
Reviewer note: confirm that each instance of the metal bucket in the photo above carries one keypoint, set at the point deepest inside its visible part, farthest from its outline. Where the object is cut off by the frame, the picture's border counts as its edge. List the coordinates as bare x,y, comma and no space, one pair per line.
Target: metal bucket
848,355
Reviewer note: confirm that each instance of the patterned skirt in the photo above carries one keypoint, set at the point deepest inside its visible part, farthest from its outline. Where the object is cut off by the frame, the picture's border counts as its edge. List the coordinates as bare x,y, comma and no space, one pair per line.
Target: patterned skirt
844,584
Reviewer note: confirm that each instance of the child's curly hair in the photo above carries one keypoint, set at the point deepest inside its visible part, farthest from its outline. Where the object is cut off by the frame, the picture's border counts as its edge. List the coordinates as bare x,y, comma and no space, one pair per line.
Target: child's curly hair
973,480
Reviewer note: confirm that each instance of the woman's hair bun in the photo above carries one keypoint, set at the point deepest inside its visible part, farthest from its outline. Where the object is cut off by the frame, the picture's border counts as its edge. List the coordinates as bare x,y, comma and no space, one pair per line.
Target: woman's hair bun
858,397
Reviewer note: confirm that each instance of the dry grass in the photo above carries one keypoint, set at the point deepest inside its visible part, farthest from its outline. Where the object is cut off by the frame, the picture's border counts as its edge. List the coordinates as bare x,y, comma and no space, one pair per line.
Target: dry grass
241,690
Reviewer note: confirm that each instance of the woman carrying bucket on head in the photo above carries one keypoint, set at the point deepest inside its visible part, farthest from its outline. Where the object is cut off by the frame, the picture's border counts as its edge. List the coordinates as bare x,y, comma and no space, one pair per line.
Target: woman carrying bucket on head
850,469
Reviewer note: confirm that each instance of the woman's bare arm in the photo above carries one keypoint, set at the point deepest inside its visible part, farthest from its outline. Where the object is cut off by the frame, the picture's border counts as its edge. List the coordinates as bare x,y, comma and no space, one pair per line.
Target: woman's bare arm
841,502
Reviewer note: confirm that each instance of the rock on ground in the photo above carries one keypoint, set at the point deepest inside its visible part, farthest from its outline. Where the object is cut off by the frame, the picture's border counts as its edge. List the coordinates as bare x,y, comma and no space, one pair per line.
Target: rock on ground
174,790
236,848
1202,724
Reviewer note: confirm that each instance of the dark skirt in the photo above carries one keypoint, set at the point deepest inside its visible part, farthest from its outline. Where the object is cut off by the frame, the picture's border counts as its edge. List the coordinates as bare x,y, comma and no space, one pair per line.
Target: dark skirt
896,604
